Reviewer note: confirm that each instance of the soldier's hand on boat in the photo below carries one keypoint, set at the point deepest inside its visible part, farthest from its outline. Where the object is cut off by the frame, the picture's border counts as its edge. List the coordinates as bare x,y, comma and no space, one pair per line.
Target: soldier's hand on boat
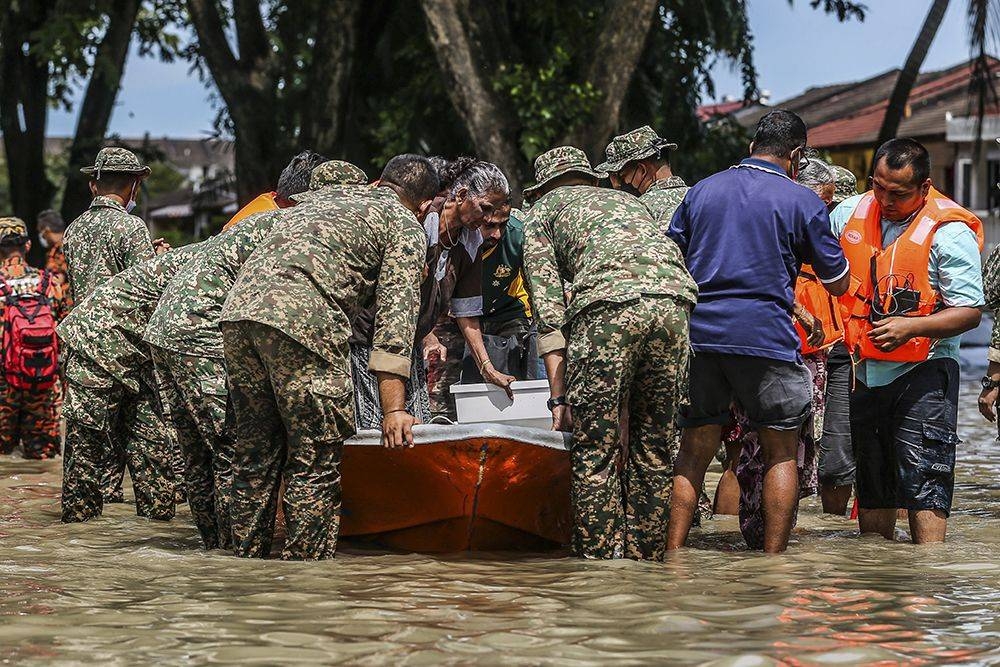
562,418
502,380
397,429
891,332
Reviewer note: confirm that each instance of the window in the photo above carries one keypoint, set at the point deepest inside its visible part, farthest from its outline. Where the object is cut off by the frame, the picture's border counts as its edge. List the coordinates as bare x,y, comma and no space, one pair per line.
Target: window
992,178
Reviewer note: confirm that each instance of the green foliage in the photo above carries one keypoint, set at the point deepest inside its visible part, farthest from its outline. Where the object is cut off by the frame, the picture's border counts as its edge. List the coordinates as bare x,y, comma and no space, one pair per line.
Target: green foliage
721,143
163,179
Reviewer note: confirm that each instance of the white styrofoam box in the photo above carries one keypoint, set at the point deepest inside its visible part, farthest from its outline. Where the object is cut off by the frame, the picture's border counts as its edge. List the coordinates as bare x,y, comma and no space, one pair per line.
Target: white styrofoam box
477,403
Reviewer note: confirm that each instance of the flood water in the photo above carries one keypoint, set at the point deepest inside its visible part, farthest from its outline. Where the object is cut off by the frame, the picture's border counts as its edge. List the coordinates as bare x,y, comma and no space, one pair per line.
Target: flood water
123,590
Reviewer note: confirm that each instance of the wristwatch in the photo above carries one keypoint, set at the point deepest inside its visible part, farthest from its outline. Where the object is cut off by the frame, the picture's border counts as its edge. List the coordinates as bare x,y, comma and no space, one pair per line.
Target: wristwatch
988,383
553,403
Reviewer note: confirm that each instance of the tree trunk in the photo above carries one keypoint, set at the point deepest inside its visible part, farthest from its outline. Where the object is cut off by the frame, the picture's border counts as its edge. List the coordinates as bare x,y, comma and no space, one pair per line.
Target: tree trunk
98,104
23,114
907,77
461,58
611,66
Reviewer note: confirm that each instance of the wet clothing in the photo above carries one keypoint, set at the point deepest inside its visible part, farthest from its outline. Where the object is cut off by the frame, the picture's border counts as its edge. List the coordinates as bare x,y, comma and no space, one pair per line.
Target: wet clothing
627,324
836,453
102,242
774,394
905,437
954,271
286,325
663,198
745,232
28,417
368,405
442,374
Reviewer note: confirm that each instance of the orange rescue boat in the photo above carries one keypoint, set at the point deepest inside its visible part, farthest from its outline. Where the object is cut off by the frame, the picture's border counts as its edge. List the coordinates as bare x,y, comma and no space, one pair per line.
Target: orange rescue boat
464,487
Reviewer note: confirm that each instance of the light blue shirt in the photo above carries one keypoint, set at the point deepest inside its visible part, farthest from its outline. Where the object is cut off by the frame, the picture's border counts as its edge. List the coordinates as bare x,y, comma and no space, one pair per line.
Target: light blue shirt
955,272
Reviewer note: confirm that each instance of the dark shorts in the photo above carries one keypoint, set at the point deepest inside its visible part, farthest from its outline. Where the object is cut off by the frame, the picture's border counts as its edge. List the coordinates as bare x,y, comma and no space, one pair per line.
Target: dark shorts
775,394
836,454
905,436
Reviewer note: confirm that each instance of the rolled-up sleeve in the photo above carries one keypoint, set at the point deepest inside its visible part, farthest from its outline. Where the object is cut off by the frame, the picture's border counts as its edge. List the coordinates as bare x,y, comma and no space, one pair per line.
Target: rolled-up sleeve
467,300
543,279
397,296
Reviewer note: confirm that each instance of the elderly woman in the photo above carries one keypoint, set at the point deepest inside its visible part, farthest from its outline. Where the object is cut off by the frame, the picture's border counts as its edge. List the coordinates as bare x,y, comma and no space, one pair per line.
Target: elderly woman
745,460
472,191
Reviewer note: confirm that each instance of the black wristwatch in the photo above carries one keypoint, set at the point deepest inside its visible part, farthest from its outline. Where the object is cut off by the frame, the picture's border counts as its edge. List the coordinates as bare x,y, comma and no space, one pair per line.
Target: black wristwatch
553,403
988,383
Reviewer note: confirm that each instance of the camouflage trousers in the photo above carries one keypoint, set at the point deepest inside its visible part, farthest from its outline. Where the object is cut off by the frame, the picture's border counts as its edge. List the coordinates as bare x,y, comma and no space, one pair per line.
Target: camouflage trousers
30,418
194,396
108,428
632,354
293,411
441,375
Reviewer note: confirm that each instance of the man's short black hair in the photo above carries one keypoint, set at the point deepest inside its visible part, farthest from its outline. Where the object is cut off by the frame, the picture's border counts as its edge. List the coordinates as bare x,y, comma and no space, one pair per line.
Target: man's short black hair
13,244
294,179
779,133
414,175
115,181
51,220
905,152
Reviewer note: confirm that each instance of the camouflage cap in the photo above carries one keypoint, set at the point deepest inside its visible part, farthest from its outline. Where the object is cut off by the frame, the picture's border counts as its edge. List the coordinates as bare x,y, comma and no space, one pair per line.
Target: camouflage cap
114,159
558,162
11,226
847,183
634,145
336,172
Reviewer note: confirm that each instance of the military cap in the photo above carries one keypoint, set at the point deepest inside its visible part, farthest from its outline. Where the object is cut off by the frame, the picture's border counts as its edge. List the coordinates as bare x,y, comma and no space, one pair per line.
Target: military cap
558,162
11,226
634,145
114,159
336,172
847,183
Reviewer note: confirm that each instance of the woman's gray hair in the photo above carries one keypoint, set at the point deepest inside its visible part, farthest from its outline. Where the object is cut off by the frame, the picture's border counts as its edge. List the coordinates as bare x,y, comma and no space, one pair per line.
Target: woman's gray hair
816,174
477,176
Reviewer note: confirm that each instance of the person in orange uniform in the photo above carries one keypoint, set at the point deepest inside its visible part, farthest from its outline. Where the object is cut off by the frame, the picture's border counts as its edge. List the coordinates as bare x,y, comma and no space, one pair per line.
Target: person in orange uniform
51,228
916,286
27,416
294,180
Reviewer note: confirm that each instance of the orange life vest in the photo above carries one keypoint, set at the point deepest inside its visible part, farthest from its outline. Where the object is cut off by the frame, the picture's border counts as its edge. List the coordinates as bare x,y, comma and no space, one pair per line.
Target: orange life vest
812,295
264,202
896,279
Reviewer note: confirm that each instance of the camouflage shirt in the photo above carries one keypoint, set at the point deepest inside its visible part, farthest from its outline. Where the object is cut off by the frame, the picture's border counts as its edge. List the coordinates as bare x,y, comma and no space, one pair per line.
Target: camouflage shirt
991,289
108,327
187,318
663,197
104,241
326,259
607,245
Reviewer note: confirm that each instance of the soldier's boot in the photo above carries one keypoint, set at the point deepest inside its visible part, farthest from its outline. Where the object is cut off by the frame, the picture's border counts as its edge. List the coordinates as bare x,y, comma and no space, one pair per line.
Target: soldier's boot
81,488
312,499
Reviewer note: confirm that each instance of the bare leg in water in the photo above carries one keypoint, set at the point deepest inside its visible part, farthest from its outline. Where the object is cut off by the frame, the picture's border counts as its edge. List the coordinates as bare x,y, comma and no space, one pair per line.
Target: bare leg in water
781,486
698,446
727,493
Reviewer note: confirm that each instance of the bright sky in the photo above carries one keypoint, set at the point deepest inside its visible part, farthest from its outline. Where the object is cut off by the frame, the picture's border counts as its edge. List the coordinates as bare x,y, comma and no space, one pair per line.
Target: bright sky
796,47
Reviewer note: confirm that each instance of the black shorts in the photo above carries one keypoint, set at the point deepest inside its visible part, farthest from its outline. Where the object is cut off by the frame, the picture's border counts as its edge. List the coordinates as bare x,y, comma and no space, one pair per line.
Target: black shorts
836,454
775,394
905,437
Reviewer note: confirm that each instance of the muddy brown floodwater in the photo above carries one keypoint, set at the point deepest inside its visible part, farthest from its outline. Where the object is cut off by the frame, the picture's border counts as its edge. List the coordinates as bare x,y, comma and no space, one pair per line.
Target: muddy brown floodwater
123,590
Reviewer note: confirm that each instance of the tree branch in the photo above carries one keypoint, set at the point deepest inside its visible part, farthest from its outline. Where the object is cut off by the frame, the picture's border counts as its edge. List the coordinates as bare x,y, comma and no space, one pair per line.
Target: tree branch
251,35
214,48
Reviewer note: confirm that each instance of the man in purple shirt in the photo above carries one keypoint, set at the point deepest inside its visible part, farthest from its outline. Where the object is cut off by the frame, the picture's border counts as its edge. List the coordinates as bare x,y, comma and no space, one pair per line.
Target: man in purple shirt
745,233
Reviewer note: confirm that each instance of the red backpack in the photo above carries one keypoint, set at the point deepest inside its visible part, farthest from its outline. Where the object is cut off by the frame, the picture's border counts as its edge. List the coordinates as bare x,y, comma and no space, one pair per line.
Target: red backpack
30,344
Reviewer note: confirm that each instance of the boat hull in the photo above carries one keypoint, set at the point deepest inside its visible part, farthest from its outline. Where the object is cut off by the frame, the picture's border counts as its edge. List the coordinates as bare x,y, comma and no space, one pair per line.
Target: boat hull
482,487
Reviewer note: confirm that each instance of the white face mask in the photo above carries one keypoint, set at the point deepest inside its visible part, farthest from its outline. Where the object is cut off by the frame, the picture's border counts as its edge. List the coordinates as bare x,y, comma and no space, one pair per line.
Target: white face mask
44,242
130,206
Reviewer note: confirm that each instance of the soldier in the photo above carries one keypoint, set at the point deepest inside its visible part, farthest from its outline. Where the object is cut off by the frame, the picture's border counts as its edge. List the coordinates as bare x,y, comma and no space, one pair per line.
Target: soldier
627,325
187,350
638,162
112,393
102,242
51,229
29,416
285,329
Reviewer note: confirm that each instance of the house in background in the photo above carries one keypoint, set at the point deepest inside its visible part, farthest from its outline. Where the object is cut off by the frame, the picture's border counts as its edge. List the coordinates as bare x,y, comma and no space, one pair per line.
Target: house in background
844,120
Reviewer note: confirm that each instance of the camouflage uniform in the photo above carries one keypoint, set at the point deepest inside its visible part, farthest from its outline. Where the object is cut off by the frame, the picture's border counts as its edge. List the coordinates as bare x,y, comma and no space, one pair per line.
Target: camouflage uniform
627,321
188,353
991,289
846,184
29,417
663,196
112,404
285,328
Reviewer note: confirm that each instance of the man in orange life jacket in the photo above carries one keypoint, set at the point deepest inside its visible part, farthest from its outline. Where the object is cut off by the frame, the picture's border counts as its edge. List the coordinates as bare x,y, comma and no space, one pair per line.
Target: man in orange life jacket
916,286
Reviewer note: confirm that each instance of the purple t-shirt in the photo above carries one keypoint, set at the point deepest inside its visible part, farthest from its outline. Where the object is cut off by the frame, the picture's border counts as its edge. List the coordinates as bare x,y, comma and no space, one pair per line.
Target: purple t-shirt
745,232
